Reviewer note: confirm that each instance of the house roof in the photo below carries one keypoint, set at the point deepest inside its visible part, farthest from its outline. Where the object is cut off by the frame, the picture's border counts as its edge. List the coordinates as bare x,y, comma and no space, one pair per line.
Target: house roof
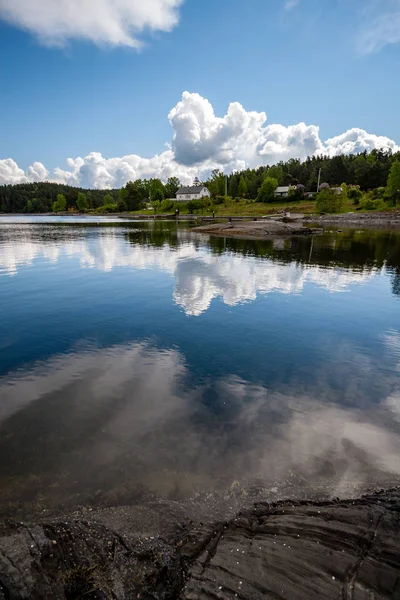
282,189
194,189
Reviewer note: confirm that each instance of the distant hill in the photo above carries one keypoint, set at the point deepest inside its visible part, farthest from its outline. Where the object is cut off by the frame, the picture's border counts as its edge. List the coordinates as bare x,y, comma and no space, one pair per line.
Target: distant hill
39,197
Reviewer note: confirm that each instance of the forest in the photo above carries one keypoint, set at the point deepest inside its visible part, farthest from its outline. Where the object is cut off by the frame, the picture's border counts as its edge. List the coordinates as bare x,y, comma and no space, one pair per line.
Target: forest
372,178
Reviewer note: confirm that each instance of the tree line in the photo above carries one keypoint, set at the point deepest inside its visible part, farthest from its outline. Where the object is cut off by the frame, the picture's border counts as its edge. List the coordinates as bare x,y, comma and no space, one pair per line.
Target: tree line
366,170
366,177
54,197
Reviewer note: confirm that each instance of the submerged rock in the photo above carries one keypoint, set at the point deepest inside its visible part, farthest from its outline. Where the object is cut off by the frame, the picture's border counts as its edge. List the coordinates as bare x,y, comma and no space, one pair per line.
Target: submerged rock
332,549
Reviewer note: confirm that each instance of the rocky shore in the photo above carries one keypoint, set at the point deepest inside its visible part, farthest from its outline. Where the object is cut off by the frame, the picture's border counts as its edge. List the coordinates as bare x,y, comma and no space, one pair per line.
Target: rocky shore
348,549
365,220
260,229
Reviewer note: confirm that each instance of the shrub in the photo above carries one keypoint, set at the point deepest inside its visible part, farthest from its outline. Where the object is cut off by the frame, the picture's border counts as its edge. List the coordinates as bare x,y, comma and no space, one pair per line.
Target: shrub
166,204
328,201
354,194
222,200
107,208
368,202
297,192
380,193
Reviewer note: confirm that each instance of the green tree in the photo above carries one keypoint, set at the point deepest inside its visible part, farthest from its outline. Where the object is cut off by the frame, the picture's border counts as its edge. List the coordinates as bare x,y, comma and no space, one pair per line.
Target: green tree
122,205
345,193
171,187
123,197
266,192
133,194
217,183
156,190
108,199
361,171
329,201
393,182
276,172
233,185
60,205
242,189
82,202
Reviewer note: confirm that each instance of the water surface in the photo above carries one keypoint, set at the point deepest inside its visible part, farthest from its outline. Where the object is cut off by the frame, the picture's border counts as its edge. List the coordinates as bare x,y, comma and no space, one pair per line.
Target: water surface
141,359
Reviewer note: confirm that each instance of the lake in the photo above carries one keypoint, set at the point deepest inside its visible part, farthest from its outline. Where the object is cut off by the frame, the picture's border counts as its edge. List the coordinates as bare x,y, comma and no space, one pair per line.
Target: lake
139,360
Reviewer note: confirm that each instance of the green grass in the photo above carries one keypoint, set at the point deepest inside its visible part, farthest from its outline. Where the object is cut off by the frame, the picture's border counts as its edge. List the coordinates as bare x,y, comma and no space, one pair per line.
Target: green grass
244,207
241,208
252,209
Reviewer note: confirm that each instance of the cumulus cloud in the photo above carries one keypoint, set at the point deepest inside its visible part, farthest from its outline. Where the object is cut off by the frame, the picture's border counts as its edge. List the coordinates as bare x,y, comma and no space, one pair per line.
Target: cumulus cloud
381,25
112,22
357,140
11,173
202,141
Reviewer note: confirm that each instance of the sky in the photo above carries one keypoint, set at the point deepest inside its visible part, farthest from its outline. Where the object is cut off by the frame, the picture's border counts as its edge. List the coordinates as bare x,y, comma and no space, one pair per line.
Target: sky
96,93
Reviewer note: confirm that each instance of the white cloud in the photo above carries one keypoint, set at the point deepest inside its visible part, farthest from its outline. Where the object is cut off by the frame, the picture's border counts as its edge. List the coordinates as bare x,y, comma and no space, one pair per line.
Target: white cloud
200,136
381,25
11,173
112,22
202,141
357,140
291,4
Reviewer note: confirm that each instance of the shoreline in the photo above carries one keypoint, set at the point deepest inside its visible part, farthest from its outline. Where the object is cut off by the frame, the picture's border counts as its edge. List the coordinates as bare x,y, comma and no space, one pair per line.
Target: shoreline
388,220
260,230
157,551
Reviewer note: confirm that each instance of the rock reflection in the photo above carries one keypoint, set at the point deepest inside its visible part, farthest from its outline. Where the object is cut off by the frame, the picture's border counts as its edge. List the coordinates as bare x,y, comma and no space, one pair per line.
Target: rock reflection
104,425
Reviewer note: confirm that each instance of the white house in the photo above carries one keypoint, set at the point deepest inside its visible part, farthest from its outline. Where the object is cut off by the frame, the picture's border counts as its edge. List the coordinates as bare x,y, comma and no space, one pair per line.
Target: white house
195,192
282,191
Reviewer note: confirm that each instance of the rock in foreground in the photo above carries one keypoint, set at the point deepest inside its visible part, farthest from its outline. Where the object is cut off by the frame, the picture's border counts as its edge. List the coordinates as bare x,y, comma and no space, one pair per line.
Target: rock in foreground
339,550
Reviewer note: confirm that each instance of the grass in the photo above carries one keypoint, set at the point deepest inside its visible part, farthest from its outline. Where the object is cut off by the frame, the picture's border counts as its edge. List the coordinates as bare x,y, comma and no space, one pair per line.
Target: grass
253,209
243,207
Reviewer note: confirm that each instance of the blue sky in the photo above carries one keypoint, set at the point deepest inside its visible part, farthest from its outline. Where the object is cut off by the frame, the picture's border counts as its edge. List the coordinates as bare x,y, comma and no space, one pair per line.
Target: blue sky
74,84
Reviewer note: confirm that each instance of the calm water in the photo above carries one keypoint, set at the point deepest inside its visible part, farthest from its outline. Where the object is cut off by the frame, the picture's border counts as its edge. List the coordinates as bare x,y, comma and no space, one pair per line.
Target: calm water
139,359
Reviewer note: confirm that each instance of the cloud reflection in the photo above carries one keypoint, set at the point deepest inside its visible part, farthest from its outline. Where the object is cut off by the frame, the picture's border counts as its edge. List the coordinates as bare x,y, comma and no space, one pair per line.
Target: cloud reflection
200,276
126,416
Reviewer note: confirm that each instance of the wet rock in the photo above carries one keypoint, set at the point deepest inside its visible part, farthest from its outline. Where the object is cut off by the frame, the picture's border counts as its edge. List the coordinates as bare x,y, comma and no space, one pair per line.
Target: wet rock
288,550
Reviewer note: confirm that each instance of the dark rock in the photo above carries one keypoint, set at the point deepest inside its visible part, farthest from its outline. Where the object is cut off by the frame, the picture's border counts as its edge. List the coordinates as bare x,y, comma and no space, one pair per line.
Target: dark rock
337,550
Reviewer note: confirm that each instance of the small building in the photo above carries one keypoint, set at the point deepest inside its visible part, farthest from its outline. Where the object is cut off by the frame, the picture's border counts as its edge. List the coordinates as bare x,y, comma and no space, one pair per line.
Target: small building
282,191
195,192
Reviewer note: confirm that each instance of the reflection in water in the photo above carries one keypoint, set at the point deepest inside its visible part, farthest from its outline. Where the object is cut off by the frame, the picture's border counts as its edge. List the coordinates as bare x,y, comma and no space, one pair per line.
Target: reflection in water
303,399
200,275
129,415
